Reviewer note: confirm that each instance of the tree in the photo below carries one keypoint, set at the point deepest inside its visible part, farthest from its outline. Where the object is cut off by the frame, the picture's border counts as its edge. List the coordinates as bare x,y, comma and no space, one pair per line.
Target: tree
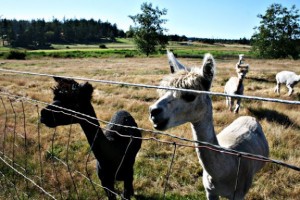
148,32
278,33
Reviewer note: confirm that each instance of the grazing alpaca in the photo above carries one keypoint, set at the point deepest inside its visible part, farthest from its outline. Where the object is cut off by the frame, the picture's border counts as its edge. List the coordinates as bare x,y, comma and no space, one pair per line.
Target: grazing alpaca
109,148
244,134
235,84
289,78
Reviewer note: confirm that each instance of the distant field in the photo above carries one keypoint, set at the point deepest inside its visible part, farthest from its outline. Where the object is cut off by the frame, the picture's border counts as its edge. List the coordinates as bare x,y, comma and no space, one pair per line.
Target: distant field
126,48
280,122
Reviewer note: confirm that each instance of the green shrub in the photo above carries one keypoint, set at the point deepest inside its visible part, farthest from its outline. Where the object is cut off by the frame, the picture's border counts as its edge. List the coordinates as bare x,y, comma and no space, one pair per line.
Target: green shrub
18,55
102,46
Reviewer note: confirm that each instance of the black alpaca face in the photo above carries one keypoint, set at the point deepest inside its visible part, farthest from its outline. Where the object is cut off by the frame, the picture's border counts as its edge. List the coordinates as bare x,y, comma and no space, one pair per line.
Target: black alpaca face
70,95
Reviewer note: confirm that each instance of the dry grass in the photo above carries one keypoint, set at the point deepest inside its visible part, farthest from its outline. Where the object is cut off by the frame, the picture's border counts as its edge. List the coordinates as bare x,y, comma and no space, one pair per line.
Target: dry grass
280,122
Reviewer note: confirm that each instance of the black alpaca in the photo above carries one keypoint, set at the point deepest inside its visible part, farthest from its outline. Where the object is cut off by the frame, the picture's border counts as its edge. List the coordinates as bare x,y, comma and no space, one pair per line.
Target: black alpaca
109,148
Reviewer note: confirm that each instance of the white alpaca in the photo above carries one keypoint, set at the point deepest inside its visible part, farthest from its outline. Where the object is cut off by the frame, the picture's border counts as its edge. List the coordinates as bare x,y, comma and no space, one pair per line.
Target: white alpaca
244,134
235,84
289,78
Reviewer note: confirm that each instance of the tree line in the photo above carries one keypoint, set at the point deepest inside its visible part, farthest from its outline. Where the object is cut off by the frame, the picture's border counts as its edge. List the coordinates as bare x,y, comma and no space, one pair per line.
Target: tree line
277,36
41,34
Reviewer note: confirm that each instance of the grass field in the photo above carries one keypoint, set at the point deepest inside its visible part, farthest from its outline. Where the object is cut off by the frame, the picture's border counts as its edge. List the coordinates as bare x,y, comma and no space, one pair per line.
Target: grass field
280,122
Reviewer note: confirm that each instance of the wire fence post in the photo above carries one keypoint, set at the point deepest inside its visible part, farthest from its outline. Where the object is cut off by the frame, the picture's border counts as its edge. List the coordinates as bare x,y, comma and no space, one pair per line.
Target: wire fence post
239,157
169,170
40,146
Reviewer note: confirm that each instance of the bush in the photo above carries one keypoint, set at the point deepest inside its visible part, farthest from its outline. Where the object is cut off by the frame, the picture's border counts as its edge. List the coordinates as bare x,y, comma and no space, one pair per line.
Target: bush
102,46
18,55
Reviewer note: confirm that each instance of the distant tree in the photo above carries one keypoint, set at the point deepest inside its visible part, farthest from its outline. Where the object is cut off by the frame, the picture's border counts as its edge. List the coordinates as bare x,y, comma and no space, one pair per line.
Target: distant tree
244,41
38,33
130,32
148,30
278,32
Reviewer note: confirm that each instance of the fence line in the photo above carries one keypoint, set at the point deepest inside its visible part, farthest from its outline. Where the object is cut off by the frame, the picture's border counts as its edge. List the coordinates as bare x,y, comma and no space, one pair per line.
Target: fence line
200,144
157,87
195,143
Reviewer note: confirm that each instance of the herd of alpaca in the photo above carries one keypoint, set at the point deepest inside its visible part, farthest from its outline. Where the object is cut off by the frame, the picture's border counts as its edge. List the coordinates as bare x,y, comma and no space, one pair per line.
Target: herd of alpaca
116,154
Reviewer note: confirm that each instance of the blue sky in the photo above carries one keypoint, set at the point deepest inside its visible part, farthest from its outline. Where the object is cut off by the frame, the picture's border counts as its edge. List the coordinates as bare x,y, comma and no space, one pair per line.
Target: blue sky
230,19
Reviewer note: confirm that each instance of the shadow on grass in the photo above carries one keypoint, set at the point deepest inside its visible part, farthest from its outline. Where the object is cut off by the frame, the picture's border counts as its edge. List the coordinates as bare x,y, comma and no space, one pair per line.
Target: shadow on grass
170,197
262,80
144,197
273,116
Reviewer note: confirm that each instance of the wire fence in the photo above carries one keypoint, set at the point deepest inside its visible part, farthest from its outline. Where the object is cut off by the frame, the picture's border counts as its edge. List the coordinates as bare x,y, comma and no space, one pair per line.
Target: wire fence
35,164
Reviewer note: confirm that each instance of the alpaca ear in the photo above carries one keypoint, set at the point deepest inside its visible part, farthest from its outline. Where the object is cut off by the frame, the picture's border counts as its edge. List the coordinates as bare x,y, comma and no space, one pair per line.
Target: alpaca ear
66,80
58,79
175,65
208,70
86,90
69,81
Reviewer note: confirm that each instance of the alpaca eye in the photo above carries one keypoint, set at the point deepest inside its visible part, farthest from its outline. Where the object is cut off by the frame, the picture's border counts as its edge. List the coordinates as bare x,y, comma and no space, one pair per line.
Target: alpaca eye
188,97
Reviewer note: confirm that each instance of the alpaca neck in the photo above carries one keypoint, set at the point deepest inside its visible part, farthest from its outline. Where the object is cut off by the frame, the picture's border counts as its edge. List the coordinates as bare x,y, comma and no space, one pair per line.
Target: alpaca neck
203,130
240,62
91,127
240,83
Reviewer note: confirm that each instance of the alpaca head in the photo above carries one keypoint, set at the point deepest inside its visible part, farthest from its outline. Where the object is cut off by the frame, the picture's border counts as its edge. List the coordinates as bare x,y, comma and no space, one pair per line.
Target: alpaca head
241,58
175,107
70,95
242,70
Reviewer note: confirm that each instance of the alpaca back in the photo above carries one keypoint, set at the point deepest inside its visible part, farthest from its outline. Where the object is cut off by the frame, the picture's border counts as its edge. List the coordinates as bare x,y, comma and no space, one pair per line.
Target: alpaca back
122,118
125,145
245,134
287,77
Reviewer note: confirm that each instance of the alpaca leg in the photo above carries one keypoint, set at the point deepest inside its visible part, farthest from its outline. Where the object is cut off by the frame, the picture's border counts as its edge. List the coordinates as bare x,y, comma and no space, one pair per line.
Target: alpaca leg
237,106
227,101
277,88
107,182
109,189
291,90
211,196
128,187
231,104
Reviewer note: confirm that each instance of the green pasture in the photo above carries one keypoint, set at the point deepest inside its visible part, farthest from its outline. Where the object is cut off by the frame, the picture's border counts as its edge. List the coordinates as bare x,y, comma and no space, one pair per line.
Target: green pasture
123,48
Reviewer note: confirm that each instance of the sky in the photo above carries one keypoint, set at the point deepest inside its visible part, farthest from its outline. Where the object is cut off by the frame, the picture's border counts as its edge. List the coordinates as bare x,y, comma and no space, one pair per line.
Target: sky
219,19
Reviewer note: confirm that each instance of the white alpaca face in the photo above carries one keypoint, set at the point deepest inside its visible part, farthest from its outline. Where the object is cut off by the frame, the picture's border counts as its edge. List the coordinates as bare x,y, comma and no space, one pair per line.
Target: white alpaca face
178,107
241,72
